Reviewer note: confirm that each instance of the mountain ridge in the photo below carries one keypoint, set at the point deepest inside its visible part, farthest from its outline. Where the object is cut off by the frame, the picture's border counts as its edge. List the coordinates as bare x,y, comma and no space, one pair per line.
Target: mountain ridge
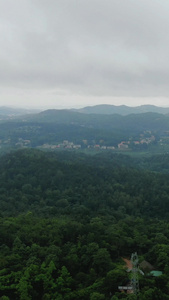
122,109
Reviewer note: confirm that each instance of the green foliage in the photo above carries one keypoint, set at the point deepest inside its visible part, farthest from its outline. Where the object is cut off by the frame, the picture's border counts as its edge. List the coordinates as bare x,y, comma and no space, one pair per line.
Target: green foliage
66,222
97,296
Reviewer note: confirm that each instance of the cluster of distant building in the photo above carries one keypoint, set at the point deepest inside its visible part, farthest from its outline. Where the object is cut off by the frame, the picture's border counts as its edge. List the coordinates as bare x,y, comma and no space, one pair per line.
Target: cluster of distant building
70,145
101,147
145,138
23,143
64,145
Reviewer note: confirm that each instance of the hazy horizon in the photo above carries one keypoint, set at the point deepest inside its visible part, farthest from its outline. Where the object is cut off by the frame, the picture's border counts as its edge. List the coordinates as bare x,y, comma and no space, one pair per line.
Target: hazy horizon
45,107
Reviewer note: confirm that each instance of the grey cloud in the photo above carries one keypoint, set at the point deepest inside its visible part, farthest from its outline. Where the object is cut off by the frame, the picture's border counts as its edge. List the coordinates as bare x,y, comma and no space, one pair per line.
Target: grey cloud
96,47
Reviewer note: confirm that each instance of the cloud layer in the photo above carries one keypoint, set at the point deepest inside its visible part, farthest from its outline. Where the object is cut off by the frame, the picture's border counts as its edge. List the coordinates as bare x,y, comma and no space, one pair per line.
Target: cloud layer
88,48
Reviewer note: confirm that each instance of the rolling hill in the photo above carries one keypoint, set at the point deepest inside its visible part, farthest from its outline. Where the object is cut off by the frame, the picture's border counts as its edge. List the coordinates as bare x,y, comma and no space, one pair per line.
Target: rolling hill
123,109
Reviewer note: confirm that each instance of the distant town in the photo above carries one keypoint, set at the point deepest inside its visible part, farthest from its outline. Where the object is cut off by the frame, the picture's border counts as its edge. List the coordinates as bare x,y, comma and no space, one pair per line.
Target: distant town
123,145
143,141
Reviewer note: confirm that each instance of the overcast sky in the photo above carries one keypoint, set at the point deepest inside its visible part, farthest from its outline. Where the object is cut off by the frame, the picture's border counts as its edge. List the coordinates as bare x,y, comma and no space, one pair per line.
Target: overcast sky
67,53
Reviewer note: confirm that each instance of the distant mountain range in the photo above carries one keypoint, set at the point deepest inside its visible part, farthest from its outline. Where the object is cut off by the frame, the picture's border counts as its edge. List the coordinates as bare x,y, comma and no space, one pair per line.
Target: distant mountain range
12,112
103,109
123,110
126,122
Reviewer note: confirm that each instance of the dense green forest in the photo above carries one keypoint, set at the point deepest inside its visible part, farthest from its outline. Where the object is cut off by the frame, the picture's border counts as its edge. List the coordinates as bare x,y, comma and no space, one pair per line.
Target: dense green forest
67,220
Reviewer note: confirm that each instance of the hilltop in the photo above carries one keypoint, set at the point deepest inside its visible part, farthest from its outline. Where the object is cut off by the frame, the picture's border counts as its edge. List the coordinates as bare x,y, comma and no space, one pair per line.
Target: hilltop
122,109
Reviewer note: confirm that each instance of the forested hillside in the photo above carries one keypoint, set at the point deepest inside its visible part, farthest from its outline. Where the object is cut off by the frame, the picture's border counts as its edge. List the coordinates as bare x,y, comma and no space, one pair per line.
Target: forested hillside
51,128
67,220
132,122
